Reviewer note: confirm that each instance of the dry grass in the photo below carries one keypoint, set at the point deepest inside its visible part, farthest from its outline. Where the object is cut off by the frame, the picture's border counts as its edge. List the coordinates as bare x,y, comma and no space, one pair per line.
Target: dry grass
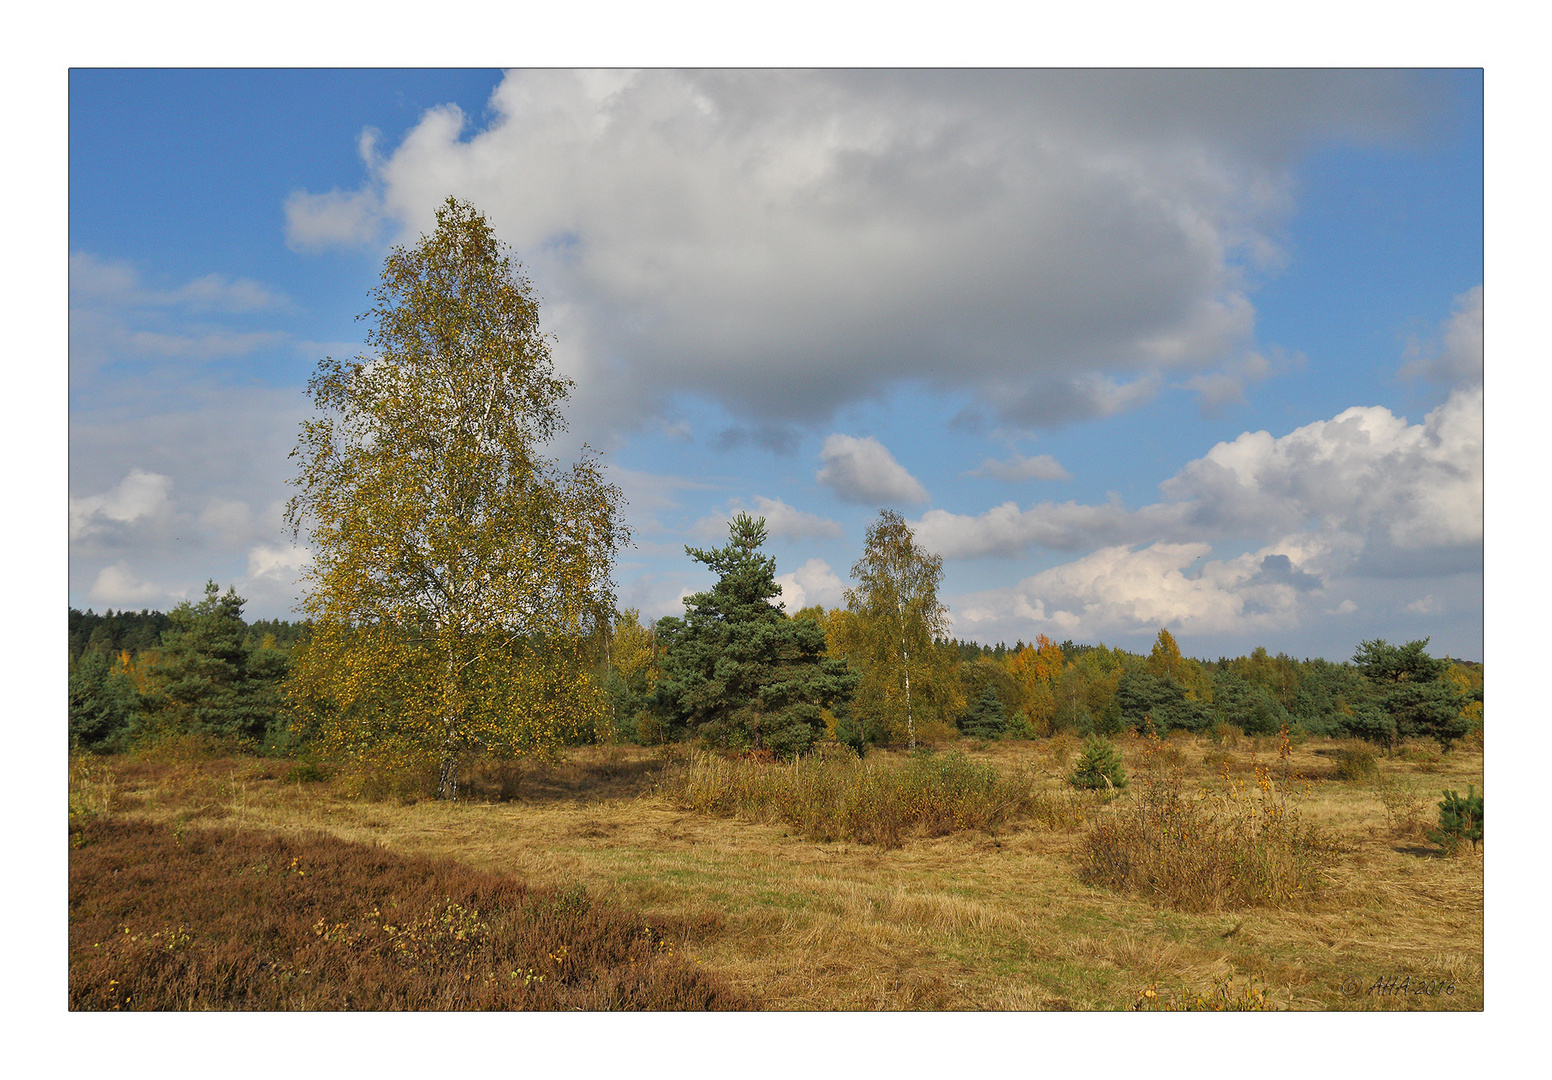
1205,850
834,795
964,921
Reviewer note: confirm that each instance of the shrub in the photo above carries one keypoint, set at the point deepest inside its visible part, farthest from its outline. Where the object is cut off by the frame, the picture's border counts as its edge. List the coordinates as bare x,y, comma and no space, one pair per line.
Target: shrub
1357,763
1099,767
1021,727
1226,734
1403,808
1239,847
1459,819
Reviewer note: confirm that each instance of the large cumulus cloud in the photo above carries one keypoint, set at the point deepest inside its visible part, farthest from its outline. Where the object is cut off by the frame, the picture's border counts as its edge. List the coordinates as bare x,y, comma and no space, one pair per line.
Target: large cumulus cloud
786,242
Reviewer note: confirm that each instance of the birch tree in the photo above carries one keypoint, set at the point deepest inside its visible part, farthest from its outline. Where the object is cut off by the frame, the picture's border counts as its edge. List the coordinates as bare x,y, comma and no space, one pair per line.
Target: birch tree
896,615
460,575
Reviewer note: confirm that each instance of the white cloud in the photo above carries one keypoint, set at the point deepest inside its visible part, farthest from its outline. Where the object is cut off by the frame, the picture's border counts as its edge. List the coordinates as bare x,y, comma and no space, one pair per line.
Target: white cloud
812,583
1132,591
790,241
1018,467
1366,471
117,283
277,563
139,495
1426,606
117,586
319,221
1456,358
1363,483
781,520
1346,607
1008,531
863,471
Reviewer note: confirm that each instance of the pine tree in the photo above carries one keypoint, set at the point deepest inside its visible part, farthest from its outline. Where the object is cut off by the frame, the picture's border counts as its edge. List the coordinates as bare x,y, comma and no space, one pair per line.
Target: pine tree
1459,819
738,672
986,719
209,681
1099,767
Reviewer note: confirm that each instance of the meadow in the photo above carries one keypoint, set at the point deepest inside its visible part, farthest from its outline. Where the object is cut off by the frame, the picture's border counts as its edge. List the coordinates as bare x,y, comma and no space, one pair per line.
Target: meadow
973,878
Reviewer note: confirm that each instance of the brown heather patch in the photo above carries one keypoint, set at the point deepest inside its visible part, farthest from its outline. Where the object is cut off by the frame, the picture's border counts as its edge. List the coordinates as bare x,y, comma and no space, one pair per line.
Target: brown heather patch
178,918
977,920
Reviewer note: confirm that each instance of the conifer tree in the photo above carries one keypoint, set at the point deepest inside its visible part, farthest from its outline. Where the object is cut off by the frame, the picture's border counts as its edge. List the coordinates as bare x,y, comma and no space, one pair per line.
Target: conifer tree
738,672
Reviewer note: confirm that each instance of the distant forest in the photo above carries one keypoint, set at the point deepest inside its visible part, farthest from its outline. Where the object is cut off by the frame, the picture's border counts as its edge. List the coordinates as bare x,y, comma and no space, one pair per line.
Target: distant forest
204,668
137,631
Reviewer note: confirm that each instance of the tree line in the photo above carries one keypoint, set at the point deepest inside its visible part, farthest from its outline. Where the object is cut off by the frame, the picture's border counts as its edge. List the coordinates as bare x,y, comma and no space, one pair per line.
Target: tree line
876,674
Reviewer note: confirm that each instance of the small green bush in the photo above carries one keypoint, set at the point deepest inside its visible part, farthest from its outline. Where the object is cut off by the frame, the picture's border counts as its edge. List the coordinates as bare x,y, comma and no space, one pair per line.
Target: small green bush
1357,763
1099,767
1459,819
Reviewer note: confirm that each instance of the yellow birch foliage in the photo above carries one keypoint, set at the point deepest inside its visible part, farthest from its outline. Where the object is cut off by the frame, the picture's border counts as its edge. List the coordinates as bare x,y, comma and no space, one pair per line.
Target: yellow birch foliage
459,575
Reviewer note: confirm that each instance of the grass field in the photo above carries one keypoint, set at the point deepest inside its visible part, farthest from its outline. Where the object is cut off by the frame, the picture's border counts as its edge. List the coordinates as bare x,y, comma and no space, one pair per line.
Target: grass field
992,918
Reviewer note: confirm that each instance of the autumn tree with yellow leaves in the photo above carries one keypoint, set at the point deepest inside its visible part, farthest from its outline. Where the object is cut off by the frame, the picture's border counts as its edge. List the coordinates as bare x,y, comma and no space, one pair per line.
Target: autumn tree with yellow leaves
461,579
895,615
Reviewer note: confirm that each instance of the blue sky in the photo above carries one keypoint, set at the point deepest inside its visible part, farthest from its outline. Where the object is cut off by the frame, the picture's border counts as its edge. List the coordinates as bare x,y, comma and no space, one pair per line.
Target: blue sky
1198,350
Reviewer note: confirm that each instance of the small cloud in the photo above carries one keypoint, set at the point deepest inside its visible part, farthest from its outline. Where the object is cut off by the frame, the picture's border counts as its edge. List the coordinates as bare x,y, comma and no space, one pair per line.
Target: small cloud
679,430
1279,570
1426,606
139,495
1455,359
117,586
777,438
1346,607
863,471
277,563
1019,467
812,583
339,218
787,522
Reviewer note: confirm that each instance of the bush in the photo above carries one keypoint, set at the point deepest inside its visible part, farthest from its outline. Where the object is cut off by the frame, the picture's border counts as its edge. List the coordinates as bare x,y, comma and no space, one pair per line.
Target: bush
1357,763
1226,734
1459,819
1099,767
1239,847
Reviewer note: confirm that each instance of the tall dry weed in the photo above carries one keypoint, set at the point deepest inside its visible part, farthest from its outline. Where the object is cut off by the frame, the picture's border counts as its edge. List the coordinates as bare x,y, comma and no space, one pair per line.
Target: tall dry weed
1203,850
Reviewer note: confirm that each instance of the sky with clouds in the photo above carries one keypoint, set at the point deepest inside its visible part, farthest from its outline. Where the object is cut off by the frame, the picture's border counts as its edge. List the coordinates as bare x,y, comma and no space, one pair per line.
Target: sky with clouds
1189,349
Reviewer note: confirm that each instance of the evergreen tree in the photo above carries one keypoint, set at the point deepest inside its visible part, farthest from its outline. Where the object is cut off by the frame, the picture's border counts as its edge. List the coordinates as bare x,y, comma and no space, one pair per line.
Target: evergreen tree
1140,694
1099,767
1250,706
1459,819
103,701
209,682
1414,690
986,718
735,669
